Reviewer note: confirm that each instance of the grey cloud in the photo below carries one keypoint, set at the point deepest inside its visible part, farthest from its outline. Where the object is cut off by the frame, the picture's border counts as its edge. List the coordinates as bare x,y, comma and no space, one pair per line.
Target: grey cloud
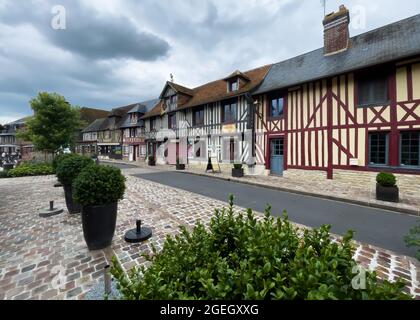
88,33
202,40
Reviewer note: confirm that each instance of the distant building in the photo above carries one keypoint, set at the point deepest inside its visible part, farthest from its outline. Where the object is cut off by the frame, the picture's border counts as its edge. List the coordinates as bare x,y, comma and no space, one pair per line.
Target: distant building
10,144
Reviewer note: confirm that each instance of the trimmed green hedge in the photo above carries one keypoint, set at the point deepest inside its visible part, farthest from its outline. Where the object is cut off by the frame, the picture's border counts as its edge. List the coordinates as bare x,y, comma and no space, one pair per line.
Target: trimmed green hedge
31,169
61,157
386,179
240,258
98,185
69,168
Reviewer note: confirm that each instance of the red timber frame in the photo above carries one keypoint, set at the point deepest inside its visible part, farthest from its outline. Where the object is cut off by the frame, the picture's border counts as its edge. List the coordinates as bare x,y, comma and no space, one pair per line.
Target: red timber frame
346,127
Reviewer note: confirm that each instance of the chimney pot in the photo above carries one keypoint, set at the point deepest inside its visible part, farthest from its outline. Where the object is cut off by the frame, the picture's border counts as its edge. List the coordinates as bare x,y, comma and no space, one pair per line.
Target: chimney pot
336,31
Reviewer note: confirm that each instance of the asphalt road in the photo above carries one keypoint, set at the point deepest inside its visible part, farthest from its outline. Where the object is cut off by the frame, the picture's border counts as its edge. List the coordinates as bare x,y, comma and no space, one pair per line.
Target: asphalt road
381,228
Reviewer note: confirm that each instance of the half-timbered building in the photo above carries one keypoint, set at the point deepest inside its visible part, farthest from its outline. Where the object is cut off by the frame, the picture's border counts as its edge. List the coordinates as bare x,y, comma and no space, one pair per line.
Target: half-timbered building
133,130
353,105
213,120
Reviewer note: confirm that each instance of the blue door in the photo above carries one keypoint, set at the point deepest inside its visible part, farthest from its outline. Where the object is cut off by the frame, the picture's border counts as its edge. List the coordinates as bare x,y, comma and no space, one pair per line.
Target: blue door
276,156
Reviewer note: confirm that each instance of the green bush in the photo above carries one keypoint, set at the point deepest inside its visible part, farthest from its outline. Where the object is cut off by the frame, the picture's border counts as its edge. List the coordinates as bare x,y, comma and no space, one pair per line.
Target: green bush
68,169
31,169
240,258
412,239
61,157
237,166
98,185
386,179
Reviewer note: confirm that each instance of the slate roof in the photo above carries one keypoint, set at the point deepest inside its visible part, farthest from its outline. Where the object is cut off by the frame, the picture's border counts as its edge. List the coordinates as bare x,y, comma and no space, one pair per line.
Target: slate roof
95,125
395,41
156,111
141,107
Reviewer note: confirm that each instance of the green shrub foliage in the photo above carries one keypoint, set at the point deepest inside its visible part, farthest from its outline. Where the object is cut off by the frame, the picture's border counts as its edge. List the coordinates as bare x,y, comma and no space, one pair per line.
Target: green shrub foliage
69,168
412,239
240,258
237,166
98,185
386,179
31,169
61,157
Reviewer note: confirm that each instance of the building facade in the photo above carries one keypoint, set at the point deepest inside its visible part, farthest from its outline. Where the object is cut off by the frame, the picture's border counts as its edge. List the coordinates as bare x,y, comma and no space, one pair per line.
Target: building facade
133,129
11,145
350,106
214,120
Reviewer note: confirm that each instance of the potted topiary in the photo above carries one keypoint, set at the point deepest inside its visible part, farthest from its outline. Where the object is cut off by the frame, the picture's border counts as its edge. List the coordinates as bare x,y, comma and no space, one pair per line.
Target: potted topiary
152,161
56,161
67,171
179,165
386,188
237,171
98,189
59,158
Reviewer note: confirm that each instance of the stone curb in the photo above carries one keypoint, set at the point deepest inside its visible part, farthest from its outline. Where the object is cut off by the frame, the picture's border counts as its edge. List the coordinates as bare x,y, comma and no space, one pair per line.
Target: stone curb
293,191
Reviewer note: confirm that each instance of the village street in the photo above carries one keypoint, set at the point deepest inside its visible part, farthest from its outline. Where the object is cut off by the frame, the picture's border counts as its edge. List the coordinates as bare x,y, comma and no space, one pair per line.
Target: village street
47,258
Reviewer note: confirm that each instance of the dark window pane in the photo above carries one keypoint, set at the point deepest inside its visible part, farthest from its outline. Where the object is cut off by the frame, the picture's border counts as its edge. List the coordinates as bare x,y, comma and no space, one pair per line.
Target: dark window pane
373,89
410,146
277,106
378,148
229,112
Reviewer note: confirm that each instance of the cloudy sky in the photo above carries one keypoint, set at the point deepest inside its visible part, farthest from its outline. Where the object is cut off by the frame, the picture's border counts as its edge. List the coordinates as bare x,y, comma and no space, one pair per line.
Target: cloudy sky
116,52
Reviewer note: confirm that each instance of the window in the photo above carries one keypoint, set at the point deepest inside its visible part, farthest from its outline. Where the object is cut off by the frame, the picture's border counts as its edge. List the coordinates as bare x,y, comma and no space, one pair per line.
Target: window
373,89
172,121
198,117
233,85
378,148
230,148
229,112
152,124
276,107
133,118
410,148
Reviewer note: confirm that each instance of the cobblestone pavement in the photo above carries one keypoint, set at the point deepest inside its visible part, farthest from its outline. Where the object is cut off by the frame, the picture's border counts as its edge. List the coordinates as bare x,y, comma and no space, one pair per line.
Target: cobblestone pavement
47,258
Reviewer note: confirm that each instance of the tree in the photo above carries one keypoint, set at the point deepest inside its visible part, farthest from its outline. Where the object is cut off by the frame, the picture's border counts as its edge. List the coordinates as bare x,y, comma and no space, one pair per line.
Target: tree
53,125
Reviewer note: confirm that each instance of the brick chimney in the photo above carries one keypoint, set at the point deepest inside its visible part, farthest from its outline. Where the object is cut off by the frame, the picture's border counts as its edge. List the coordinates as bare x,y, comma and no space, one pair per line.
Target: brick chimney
336,31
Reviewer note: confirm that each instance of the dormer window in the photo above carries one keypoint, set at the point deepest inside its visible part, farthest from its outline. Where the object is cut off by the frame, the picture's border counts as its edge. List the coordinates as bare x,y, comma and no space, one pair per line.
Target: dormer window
233,85
171,103
133,117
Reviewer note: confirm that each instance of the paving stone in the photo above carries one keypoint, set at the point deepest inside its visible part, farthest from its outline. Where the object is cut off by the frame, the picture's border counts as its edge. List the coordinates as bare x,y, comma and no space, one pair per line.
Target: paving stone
28,268
74,292
60,238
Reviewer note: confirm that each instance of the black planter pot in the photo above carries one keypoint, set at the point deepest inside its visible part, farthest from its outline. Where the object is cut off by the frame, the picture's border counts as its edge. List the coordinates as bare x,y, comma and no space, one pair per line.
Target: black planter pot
99,225
72,206
390,194
237,173
180,167
152,163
